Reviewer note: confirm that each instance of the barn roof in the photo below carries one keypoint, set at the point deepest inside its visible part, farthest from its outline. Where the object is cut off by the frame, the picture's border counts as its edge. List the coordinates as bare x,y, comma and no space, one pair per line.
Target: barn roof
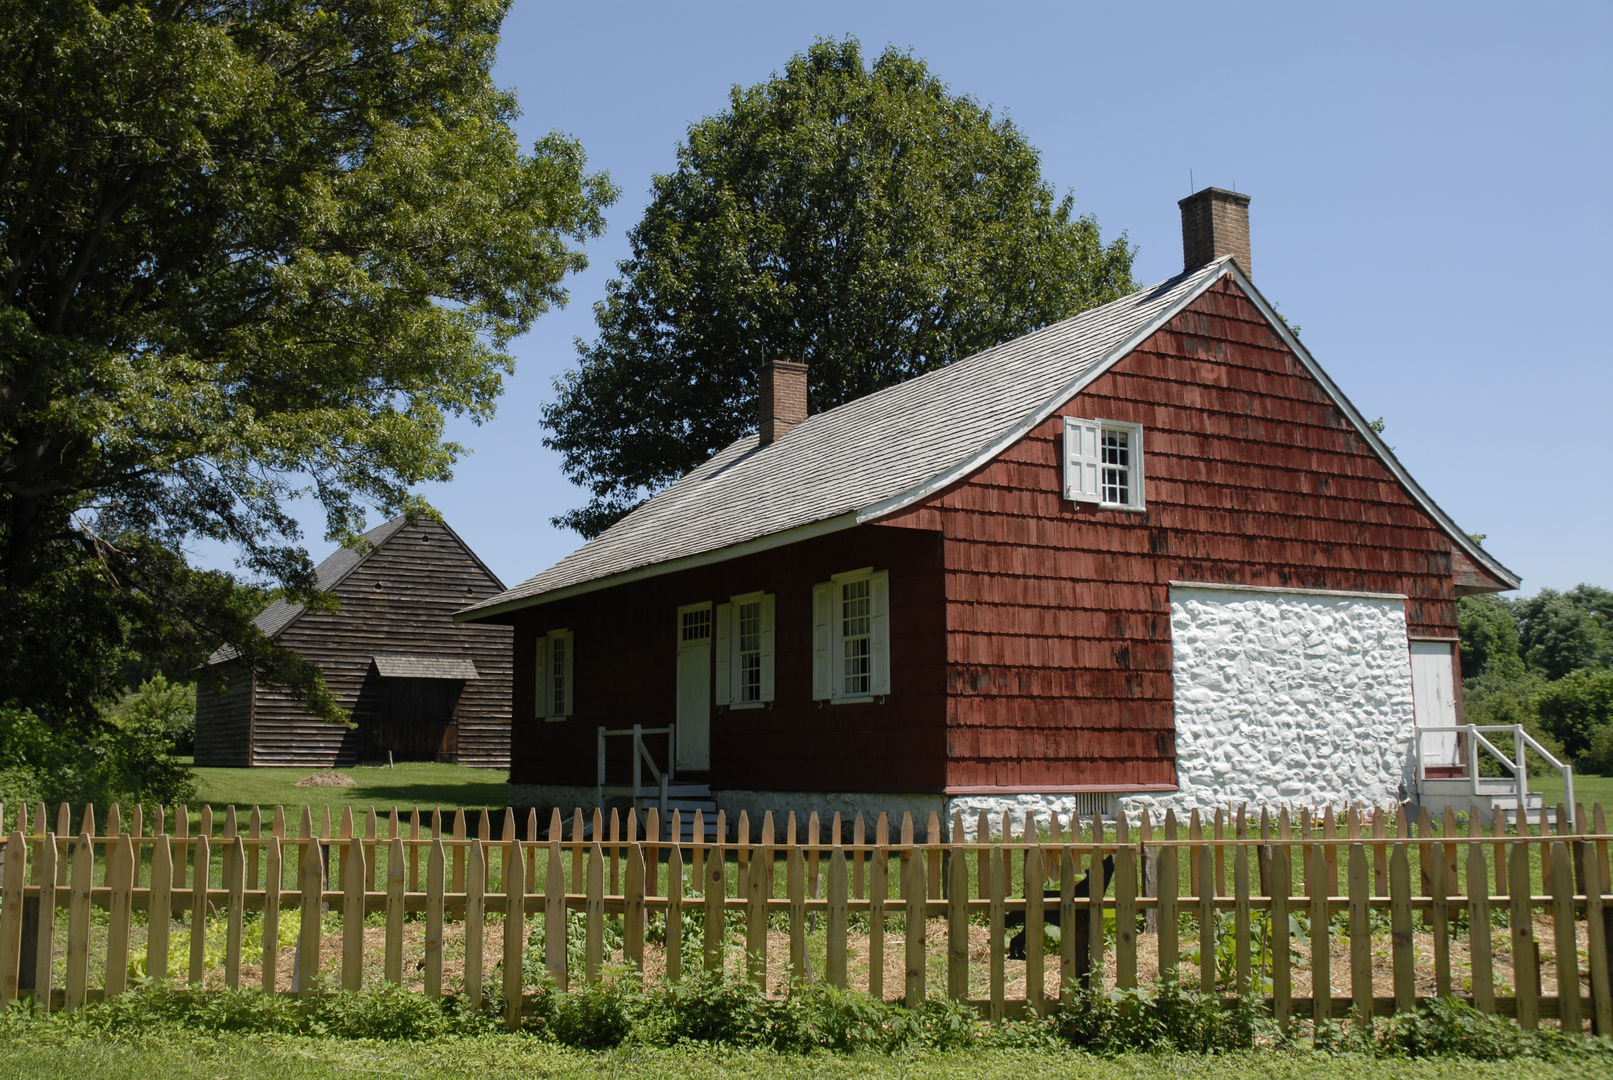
425,667
873,456
327,575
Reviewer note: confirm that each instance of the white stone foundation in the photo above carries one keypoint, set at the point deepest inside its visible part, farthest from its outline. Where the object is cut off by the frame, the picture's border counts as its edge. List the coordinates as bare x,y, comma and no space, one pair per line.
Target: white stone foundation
1291,698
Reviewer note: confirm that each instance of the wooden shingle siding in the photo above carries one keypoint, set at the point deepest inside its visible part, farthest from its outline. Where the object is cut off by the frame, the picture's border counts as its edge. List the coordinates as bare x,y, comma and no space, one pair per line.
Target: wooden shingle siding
1058,645
625,673
398,601
224,717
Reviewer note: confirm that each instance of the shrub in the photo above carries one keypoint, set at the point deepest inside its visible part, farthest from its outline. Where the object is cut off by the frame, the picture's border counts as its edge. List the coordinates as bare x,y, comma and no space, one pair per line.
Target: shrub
164,706
108,759
597,1017
1577,707
709,1007
1599,758
1451,1028
820,1017
1165,1016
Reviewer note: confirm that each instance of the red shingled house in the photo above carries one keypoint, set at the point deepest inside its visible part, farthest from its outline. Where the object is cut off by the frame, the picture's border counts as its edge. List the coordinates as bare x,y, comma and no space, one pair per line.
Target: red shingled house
1149,553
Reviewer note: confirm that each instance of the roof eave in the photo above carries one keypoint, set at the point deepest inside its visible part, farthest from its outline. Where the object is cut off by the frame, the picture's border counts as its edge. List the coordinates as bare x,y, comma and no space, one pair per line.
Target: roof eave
1423,499
490,610
936,483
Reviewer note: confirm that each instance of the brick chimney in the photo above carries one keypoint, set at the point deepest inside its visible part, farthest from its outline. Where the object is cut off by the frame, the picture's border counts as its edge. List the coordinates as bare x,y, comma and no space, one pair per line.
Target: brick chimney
783,398
1215,222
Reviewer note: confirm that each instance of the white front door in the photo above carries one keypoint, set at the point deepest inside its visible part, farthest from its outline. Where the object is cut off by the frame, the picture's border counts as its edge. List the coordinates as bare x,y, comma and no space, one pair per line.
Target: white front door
1433,695
694,687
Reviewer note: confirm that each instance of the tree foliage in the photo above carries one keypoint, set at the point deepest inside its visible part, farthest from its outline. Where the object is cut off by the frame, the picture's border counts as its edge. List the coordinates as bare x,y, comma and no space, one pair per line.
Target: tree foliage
1545,661
862,219
250,251
1560,632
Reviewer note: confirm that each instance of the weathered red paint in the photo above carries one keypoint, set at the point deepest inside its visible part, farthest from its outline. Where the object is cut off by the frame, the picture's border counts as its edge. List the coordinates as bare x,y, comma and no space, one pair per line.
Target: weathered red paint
1031,643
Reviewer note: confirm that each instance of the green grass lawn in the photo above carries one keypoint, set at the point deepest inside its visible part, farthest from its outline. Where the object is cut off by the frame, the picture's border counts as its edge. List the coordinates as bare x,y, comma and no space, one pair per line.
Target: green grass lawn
412,785
1589,789
49,1053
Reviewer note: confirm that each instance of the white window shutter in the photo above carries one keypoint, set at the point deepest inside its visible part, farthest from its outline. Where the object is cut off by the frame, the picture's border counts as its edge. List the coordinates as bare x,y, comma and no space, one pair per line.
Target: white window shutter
879,587
725,669
822,661
1082,460
570,688
542,692
767,647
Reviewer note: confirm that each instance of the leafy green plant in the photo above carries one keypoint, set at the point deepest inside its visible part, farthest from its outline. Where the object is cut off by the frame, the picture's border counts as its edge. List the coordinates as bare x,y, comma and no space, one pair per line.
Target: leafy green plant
818,1016
1262,942
534,966
1164,1016
598,1016
711,1007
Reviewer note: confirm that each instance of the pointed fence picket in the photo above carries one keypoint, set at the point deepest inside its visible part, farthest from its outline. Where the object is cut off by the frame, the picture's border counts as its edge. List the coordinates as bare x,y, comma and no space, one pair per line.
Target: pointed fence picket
780,895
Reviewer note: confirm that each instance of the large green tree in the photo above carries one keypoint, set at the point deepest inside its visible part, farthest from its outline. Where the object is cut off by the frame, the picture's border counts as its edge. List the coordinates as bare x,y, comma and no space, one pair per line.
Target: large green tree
862,219
250,250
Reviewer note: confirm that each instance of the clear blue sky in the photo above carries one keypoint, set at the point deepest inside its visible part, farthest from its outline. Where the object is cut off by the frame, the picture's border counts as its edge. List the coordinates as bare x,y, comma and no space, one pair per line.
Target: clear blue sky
1431,192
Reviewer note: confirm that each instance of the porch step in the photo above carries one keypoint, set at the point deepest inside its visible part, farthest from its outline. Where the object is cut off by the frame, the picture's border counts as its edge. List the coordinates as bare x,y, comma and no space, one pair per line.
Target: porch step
1493,794
683,798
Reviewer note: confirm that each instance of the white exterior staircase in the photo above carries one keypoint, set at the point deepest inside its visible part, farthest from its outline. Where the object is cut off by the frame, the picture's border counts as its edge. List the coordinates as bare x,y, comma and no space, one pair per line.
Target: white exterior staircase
1446,761
653,786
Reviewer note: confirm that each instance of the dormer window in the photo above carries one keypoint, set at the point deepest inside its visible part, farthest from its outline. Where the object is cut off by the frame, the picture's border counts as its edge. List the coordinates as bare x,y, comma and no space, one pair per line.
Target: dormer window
1103,463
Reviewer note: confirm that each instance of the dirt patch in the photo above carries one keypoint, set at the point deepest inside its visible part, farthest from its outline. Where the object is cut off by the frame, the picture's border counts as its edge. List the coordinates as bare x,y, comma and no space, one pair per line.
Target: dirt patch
329,778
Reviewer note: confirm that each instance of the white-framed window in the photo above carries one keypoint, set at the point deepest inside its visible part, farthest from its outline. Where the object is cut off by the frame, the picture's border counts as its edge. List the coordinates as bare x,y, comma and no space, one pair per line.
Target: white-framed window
554,678
1103,463
745,651
851,636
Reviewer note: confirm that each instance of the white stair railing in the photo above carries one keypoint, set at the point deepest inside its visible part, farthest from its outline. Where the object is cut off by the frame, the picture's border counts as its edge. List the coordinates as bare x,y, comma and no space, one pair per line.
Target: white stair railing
1517,765
642,759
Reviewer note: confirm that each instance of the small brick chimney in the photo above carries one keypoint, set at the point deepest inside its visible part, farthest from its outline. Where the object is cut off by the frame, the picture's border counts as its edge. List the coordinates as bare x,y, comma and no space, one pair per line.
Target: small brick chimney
1215,222
783,398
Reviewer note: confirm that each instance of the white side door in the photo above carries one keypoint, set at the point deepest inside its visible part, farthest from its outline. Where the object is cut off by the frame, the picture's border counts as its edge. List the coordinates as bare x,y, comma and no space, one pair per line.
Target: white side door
694,688
1433,695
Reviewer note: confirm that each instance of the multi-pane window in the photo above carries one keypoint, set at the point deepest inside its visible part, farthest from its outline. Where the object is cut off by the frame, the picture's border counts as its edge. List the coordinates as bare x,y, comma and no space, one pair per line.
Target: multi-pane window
856,638
1103,462
745,651
851,636
559,668
1117,466
697,624
554,690
748,649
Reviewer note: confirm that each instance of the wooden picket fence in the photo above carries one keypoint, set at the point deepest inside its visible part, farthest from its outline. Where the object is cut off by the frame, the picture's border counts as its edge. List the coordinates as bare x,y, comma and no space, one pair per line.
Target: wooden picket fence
777,902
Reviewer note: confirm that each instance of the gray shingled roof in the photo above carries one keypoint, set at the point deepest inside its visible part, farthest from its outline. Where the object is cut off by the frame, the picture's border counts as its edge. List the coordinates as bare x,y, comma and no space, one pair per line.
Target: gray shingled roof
872,456
424,667
866,452
327,575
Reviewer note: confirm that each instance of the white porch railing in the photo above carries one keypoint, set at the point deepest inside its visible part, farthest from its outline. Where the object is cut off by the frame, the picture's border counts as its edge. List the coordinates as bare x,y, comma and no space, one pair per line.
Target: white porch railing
642,759
1476,740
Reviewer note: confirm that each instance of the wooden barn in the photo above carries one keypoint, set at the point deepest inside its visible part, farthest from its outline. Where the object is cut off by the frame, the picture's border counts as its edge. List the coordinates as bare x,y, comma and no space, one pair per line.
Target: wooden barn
420,686
1148,555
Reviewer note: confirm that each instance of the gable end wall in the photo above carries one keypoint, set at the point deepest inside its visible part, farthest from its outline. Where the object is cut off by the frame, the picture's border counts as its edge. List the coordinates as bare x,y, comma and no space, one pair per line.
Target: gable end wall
400,600
1059,667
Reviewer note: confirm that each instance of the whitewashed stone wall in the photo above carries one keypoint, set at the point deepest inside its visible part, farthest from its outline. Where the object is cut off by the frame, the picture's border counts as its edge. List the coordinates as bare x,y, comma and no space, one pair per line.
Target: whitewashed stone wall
1288,699
826,804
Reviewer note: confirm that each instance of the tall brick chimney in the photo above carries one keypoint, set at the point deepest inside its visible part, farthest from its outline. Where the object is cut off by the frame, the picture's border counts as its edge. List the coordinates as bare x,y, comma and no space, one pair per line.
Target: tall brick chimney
783,398
1215,222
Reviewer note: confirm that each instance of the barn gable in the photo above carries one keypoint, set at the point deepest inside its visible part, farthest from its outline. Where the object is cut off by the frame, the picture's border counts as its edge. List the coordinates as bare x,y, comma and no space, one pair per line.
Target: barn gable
417,684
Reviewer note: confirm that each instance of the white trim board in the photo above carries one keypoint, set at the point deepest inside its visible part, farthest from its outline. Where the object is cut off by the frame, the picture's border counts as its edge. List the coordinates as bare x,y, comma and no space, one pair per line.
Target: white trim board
705,558
1286,590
